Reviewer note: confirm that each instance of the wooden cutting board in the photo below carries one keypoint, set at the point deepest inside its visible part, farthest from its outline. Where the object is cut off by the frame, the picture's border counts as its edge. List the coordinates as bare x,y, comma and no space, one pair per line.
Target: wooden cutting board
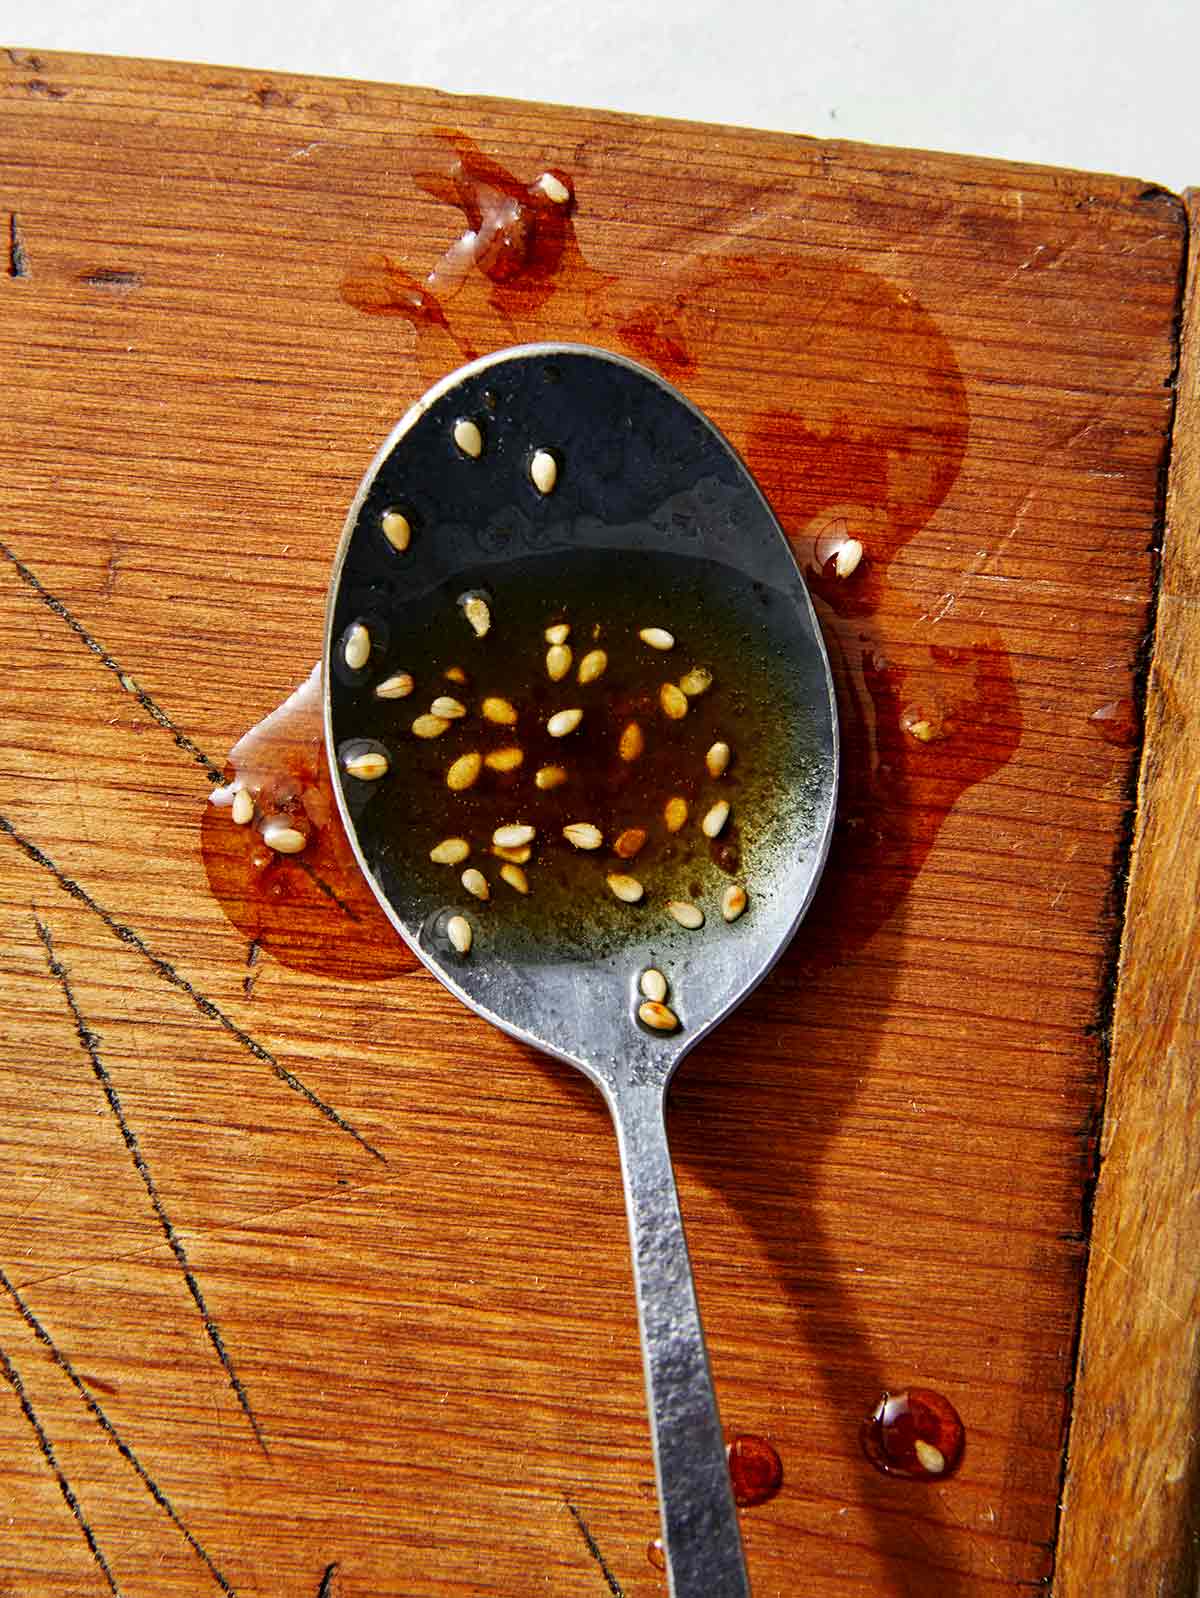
312,1283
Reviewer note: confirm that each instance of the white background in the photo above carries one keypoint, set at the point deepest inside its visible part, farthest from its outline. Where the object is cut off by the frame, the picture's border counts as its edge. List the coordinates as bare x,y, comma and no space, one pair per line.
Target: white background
1087,83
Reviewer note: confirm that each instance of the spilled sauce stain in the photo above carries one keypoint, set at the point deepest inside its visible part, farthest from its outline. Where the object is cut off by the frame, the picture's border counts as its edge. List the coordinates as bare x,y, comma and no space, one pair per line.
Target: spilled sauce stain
655,334
862,439
313,911
377,286
517,250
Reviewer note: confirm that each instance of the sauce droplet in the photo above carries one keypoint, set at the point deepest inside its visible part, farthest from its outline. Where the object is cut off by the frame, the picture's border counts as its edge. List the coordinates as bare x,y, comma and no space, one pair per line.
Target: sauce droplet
914,1433
1117,722
755,1470
655,1554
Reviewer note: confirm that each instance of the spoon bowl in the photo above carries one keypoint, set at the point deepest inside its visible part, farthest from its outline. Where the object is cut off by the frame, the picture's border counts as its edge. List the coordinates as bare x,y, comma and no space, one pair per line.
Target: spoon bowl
559,485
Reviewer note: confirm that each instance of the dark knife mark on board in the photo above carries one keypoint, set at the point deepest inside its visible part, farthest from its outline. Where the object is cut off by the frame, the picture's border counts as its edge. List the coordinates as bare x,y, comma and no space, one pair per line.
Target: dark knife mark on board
53,603
152,708
106,1426
18,260
90,1044
593,1548
251,977
113,279
46,1448
167,972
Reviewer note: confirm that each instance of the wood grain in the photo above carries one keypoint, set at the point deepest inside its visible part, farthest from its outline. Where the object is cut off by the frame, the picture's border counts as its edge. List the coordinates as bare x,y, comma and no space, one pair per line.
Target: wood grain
406,1231
1131,1518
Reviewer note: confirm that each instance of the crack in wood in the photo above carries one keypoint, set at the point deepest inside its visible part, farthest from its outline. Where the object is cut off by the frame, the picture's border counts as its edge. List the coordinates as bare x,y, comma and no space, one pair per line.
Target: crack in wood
46,1448
90,1044
106,1426
168,973
593,1548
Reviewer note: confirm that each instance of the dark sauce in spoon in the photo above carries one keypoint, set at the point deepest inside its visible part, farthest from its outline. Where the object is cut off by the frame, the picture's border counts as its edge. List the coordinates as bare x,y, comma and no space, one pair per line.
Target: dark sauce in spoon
720,621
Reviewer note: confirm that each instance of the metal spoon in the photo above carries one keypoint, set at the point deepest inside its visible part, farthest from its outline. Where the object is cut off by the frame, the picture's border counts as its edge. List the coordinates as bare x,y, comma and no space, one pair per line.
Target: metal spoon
648,502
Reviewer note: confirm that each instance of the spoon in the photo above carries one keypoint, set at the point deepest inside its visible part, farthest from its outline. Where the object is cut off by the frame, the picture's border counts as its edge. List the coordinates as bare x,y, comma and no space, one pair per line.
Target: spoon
560,485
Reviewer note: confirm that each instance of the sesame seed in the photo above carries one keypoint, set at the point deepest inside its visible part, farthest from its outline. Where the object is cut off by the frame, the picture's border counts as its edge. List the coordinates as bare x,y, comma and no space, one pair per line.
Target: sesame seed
848,557
653,984
696,682
448,709
397,529
715,819
630,842
506,759
558,662
563,722
733,901
279,834
398,686
499,711
514,835
673,700
555,190
368,766
450,852
583,835
468,437
658,1016
478,613
632,742
515,877
675,812
657,637
933,1460
543,469
628,889
518,857
464,772
356,650
717,759
593,665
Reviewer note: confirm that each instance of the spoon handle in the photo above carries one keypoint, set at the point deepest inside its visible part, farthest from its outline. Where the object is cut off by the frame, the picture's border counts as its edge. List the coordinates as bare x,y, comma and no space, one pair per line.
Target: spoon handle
701,1538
